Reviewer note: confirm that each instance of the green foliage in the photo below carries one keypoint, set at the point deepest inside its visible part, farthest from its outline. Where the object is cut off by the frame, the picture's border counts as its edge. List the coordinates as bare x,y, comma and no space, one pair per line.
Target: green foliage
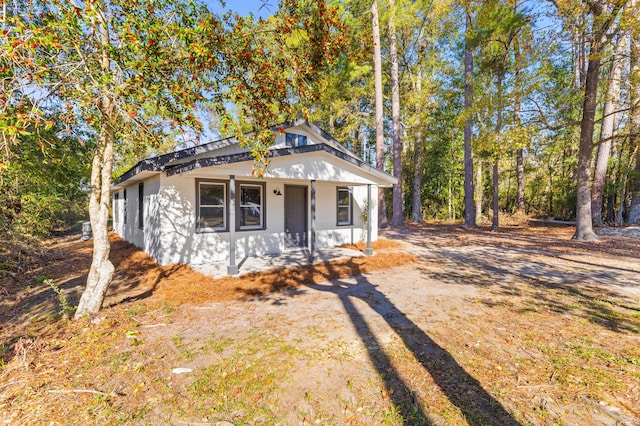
65,309
43,185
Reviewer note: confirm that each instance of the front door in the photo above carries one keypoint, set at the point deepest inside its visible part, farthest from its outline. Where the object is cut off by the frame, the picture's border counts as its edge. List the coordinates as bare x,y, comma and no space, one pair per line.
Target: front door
295,216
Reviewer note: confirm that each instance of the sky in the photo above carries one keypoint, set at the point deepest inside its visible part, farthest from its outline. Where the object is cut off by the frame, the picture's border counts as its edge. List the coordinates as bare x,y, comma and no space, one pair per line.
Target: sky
260,8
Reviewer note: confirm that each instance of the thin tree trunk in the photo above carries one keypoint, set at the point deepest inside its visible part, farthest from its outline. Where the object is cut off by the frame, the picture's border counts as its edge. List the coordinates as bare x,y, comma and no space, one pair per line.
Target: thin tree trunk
608,129
496,204
579,54
550,169
450,198
496,207
520,178
478,190
634,209
398,212
517,121
377,75
101,270
416,211
469,205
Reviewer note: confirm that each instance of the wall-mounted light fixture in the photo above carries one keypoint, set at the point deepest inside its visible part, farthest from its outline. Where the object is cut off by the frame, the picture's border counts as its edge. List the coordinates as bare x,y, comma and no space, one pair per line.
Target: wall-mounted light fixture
277,191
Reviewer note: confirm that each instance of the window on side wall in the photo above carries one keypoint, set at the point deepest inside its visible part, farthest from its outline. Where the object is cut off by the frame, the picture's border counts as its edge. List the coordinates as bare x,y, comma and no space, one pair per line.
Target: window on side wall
141,205
251,206
116,207
212,206
345,206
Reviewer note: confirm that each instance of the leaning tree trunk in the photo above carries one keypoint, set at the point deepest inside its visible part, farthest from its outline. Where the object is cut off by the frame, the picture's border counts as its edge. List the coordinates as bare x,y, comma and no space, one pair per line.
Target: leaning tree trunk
469,206
584,228
397,218
634,210
377,77
607,131
101,270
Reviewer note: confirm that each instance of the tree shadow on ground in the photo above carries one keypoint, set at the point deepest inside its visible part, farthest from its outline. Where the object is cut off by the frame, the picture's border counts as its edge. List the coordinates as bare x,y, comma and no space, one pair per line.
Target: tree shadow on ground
511,264
30,307
465,392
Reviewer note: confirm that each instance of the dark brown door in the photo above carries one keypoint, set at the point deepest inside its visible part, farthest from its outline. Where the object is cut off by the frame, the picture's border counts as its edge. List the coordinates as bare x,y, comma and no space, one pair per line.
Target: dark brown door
295,216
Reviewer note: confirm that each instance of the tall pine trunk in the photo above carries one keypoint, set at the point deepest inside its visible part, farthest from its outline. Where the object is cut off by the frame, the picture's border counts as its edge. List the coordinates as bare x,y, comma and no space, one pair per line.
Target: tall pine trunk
634,210
397,218
469,205
496,205
608,129
377,76
517,121
416,211
584,227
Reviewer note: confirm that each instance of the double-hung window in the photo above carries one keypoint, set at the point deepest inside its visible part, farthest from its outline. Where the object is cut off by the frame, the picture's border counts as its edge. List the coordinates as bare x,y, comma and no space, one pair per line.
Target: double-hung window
251,206
212,206
345,206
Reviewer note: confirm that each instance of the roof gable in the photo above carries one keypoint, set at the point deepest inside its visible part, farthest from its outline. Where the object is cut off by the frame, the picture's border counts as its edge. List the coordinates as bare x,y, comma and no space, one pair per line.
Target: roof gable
227,151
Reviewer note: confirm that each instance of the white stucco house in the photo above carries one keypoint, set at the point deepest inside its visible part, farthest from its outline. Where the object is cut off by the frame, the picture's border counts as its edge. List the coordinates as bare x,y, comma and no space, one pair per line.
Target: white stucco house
202,204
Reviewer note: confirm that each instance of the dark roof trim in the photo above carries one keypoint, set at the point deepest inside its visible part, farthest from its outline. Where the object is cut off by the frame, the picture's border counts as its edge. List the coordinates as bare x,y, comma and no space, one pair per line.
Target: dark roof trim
238,158
150,164
163,162
155,164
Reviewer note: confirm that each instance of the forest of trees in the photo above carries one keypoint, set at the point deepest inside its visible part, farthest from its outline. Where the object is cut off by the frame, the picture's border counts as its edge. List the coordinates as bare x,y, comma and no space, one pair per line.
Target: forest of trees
528,107
543,93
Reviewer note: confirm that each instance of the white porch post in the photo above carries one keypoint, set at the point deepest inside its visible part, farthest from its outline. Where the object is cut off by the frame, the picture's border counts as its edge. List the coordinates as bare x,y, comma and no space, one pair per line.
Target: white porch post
312,243
232,269
369,249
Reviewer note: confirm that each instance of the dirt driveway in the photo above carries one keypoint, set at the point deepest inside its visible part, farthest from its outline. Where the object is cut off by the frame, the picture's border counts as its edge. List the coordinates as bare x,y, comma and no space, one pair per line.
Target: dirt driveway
522,326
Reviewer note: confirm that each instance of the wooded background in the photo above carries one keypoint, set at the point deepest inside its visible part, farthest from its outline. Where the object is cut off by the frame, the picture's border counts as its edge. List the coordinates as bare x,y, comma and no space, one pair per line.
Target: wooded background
546,93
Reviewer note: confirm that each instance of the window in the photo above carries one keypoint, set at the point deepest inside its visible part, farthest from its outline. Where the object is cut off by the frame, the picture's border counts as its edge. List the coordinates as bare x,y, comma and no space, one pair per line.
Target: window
293,139
141,205
344,206
251,206
124,209
212,206
116,207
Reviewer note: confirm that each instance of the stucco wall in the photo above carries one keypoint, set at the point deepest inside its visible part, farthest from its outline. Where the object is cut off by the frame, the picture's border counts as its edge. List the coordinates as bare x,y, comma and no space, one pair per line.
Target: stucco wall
170,235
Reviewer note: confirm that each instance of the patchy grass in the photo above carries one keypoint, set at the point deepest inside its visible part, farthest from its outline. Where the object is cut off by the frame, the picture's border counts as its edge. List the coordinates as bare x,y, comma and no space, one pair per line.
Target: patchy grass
266,349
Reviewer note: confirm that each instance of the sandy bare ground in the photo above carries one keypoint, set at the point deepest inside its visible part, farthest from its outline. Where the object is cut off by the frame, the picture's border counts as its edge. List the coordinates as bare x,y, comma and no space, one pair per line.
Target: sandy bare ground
522,326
